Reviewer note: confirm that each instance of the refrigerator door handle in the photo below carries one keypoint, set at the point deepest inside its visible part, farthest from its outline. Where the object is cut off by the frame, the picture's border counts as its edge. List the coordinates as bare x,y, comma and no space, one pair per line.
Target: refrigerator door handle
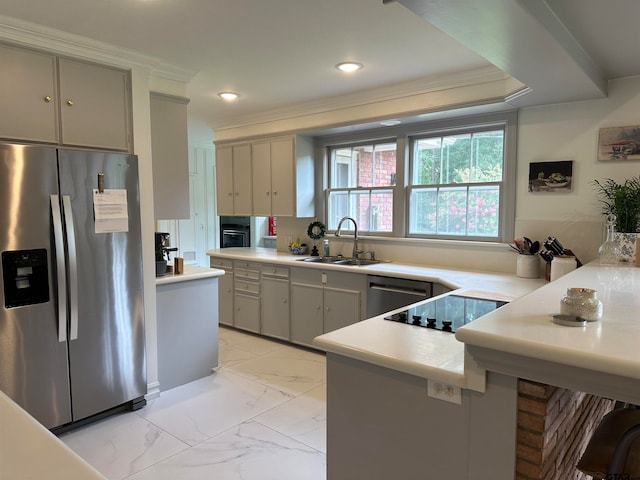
60,268
73,267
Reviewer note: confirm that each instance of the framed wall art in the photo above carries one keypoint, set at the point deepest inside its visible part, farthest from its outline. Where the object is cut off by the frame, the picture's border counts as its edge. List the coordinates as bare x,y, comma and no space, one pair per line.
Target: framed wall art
619,143
551,177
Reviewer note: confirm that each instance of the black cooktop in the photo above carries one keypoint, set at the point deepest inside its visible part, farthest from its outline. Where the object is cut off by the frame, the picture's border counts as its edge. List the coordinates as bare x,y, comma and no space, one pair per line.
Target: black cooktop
446,313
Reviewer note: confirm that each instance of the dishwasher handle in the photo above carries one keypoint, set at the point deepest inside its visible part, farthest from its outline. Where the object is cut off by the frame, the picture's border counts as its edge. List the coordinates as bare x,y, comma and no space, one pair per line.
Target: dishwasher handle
406,291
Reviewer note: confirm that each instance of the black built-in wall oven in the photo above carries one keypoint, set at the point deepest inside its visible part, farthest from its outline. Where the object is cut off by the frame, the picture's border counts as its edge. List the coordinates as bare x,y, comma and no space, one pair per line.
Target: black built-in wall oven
235,232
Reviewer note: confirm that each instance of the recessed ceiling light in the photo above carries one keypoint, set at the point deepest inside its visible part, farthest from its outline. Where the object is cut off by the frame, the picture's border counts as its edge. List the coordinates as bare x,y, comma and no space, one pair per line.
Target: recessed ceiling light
228,95
390,123
349,66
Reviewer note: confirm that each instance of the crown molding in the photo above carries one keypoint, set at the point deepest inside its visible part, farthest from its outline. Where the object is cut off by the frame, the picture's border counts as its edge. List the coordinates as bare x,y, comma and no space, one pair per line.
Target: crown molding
411,88
27,34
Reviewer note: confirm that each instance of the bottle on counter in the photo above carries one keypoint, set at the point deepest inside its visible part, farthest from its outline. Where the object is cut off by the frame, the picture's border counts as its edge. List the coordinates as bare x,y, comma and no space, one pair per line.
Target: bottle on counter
326,247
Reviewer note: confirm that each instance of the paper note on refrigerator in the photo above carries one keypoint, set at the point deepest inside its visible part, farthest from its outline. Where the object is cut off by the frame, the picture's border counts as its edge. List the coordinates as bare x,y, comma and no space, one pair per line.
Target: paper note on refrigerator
110,211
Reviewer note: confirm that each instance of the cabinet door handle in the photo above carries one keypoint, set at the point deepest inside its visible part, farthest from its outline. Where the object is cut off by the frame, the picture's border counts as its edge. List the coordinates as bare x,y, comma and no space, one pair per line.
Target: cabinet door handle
275,192
268,194
47,98
70,102
317,307
284,300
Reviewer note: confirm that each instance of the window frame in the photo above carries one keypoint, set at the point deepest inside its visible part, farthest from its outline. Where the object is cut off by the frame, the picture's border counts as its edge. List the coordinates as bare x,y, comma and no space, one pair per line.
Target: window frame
403,135
371,190
410,187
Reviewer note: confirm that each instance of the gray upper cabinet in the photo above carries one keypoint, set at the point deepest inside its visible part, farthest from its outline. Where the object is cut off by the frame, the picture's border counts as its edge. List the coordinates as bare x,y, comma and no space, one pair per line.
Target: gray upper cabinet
271,176
283,177
28,95
233,179
170,154
94,105
63,101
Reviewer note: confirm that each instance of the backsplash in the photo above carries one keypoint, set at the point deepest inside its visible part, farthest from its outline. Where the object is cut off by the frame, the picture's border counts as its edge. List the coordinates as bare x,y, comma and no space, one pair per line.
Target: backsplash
583,237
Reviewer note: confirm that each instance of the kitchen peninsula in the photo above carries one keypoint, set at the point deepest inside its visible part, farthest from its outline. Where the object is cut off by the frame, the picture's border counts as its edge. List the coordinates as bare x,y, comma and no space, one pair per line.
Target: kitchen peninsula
187,306
377,403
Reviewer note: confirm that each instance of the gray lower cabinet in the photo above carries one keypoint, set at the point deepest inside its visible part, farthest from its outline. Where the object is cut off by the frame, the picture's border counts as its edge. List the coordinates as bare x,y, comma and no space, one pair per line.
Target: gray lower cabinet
295,304
246,298
322,301
275,301
306,312
225,289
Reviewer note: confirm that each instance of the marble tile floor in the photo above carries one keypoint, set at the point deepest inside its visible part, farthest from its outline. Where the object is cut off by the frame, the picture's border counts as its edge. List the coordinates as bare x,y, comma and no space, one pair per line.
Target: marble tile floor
261,415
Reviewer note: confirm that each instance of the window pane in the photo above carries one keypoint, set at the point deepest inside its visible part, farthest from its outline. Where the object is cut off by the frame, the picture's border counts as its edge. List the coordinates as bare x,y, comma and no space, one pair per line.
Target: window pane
427,161
381,211
363,166
341,168
486,164
452,211
373,210
384,165
484,211
422,216
456,154
338,208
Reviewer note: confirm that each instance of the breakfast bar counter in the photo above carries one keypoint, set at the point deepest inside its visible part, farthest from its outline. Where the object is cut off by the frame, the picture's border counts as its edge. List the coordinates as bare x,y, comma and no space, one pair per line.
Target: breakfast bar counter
601,358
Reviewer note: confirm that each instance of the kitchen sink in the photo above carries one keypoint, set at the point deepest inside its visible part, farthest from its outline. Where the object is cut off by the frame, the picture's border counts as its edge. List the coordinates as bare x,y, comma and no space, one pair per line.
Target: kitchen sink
355,262
339,261
321,259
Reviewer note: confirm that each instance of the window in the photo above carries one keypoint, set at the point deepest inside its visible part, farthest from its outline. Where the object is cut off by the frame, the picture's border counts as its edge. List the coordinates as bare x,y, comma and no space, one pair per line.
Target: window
361,181
448,179
456,182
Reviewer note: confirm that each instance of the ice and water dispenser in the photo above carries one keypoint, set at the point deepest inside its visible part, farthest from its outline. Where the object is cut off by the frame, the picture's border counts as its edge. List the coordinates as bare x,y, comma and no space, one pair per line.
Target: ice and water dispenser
25,277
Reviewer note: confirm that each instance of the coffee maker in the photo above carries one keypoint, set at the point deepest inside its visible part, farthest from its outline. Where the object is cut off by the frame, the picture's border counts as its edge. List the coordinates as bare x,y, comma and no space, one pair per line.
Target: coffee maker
163,250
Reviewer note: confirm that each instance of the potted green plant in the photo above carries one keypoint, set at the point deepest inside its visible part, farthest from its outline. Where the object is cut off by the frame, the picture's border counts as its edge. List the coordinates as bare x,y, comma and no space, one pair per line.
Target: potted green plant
623,201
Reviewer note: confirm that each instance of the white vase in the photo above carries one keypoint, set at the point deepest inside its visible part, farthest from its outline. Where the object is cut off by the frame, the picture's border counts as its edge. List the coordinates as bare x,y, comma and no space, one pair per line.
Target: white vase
627,244
528,266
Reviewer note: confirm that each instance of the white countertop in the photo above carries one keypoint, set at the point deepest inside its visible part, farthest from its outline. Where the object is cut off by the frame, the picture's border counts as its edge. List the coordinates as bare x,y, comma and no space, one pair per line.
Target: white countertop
30,451
602,357
414,350
190,273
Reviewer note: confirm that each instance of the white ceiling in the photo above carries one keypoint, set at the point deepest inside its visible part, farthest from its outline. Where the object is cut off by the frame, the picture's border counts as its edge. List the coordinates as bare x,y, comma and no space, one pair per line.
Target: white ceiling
279,55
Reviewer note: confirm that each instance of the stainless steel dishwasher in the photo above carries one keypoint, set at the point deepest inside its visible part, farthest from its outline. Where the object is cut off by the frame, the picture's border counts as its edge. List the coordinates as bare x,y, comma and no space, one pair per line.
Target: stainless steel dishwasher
388,293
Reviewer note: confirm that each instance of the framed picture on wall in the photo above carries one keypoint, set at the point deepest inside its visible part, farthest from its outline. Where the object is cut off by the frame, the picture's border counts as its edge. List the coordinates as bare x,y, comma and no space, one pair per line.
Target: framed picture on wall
619,143
551,177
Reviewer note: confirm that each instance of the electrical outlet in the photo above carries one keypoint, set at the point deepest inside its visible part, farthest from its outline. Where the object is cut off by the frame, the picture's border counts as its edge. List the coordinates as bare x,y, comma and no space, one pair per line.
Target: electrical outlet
444,391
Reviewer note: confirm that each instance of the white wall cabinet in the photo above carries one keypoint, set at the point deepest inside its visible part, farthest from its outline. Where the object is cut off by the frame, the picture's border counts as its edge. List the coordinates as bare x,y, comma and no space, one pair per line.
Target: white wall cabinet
323,301
283,177
92,110
233,179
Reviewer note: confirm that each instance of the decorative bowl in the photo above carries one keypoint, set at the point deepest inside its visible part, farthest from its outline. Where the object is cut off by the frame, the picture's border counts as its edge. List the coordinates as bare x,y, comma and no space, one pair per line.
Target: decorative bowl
301,250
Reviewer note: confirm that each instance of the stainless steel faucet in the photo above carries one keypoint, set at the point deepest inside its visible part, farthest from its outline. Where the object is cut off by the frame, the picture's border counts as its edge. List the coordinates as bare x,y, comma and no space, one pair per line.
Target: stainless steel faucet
356,252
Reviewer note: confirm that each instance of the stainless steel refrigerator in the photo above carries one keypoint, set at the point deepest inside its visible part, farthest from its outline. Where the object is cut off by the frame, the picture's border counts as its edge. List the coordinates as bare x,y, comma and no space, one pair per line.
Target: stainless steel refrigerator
71,313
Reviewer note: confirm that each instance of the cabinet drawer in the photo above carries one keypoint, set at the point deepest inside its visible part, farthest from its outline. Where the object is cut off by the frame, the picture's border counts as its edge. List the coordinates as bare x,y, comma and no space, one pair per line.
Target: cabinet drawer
247,288
224,263
274,271
247,275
